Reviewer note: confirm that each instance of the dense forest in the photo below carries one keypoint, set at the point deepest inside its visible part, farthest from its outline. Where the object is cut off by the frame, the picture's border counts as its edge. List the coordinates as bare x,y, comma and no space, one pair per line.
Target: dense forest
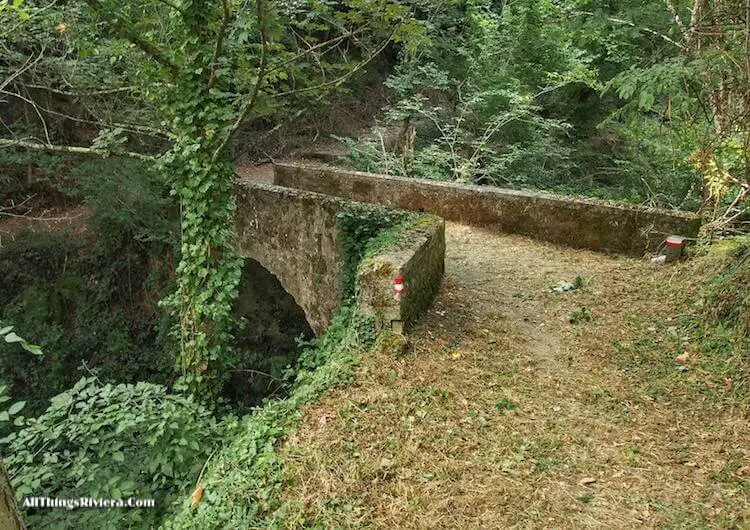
125,364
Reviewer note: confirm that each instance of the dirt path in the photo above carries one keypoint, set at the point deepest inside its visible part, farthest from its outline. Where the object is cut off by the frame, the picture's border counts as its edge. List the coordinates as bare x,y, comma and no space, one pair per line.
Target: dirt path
507,415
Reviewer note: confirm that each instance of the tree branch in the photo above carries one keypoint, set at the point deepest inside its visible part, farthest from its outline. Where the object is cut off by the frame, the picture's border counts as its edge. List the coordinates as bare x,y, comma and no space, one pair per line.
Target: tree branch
153,52
25,66
318,46
219,43
149,48
93,93
36,109
139,129
672,7
171,5
35,146
247,107
341,78
641,28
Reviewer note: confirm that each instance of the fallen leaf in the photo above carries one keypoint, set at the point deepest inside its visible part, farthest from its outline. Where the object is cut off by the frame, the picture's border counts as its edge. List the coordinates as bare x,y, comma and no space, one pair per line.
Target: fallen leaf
682,358
196,496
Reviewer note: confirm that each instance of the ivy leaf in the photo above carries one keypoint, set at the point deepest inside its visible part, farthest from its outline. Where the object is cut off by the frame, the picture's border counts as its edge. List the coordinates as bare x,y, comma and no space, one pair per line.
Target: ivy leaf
12,337
33,348
16,407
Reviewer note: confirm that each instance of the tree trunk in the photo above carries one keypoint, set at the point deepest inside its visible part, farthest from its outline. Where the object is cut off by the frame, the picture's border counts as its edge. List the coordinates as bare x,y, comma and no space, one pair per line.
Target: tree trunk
10,519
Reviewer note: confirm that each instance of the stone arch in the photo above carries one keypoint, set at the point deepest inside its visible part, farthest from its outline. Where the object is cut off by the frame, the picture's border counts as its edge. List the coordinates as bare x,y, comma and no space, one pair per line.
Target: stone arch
274,318
270,323
292,234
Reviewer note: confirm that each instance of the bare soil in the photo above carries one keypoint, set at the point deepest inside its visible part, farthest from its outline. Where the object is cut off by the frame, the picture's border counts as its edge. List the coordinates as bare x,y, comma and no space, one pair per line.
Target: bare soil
515,409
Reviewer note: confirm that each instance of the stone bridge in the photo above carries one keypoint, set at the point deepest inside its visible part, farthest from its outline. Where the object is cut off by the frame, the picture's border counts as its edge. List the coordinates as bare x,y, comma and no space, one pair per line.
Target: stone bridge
294,235
290,229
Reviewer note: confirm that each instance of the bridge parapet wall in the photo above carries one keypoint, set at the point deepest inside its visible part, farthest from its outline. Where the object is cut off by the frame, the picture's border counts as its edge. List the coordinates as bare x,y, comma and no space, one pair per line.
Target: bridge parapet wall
582,223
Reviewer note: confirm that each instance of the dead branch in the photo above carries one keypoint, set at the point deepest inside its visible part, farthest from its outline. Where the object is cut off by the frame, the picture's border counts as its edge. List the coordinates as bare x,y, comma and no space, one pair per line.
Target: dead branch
35,146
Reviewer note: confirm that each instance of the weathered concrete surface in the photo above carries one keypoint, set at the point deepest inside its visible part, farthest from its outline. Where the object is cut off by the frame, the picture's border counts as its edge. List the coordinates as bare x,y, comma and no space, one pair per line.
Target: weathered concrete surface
419,256
293,234
578,223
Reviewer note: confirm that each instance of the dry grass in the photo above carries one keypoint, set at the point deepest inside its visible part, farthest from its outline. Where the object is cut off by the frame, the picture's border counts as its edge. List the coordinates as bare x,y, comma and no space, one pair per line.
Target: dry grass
504,414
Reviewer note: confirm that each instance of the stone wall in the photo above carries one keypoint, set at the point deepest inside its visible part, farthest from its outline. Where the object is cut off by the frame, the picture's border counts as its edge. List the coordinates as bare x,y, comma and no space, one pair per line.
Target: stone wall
418,255
573,222
293,234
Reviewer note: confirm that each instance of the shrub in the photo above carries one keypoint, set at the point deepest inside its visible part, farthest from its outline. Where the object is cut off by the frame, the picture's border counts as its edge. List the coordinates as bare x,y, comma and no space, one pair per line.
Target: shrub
81,306
106,441
726,294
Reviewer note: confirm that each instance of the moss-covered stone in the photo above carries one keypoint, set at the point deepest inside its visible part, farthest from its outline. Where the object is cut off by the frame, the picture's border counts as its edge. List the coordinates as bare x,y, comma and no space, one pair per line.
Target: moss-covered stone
392,344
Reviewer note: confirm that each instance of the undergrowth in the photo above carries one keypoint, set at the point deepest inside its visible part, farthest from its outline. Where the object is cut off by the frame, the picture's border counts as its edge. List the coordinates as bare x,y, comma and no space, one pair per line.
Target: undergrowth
242,484
89,298
114,442
703,350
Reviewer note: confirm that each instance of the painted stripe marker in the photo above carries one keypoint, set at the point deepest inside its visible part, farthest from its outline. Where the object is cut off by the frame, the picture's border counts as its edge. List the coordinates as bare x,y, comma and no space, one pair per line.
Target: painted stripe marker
398,287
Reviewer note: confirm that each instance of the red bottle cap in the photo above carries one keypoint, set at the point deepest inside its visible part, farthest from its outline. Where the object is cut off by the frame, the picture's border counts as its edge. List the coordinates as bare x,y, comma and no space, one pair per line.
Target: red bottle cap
675,242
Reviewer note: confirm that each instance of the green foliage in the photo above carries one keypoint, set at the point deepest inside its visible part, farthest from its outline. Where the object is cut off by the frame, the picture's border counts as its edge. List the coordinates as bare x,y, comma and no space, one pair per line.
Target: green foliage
370,155
11,412
24,173
9,336
90,298
80,307
470,94
130,203
244,479
110,441
695,90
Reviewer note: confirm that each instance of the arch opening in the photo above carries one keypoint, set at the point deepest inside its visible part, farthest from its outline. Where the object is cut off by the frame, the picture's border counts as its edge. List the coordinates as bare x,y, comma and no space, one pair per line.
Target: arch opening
270,325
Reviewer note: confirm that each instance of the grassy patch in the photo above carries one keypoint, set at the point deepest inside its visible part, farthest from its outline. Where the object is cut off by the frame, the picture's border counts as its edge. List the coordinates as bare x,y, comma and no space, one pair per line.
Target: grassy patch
703,350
